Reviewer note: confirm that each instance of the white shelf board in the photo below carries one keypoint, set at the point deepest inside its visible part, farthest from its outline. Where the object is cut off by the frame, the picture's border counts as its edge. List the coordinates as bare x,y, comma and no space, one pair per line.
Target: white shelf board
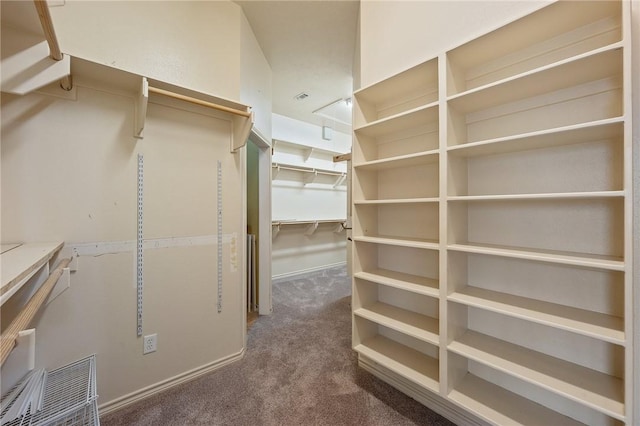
21,262
6,247
303,147
597,390
499,406
403,242
409,160
557,19
415,117
593,324
414,79
407,322
607,129
552,256
547,196
591,66
397,201
401,280
402,360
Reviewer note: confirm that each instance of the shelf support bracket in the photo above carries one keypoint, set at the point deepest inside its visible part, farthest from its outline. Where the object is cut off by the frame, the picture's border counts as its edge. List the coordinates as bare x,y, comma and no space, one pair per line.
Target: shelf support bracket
307,153
312,177
275,229
311,229
340,179
141,109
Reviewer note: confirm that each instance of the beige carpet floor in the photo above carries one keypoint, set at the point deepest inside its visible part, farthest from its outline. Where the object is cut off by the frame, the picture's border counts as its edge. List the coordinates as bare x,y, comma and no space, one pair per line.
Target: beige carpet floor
299,369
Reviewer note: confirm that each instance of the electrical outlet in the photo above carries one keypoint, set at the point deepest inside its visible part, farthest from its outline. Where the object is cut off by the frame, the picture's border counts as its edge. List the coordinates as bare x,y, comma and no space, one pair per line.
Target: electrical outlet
150,343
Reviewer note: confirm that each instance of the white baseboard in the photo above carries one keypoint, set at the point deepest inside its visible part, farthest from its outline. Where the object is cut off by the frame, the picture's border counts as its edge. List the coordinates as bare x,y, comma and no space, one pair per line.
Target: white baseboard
119,403
306,271
429,399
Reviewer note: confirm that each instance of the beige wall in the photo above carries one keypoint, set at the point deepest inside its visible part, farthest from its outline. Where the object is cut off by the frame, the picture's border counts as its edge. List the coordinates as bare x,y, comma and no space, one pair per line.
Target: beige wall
69,173
188,43
396,35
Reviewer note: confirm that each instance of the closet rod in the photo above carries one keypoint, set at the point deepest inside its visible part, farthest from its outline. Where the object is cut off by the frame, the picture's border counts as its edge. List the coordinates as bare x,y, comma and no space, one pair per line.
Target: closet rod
199,102
50,35
305,222
308,170
26,315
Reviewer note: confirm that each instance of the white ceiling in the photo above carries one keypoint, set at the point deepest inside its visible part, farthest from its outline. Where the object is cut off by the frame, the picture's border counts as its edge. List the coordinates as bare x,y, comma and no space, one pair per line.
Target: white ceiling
310,46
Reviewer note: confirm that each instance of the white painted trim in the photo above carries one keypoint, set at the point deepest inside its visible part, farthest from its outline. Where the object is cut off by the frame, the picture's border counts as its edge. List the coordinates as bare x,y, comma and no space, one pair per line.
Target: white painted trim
133,397
306,271
635,153
265,306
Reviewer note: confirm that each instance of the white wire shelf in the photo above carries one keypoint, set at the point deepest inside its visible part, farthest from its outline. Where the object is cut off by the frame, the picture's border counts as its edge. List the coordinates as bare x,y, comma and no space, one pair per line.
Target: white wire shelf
69,398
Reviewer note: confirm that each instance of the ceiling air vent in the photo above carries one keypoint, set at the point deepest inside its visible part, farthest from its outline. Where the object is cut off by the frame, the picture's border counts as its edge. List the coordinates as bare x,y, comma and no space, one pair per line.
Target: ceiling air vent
301,96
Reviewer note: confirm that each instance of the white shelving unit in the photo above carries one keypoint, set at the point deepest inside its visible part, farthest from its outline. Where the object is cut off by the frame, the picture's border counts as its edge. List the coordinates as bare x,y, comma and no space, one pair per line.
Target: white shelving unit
20,262
492,222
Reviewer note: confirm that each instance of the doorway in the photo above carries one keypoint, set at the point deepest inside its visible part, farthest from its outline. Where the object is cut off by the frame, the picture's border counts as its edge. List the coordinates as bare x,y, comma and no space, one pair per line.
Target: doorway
258,167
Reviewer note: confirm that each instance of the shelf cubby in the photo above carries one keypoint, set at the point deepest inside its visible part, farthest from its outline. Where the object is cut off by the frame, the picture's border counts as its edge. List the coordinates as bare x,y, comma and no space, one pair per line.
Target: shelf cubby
585,230
529,353
410,358
412,314
582,300
412,132
391,183
591,168
414,221
521,46
501,406
410,89
578,91
401,280
597,390
410,269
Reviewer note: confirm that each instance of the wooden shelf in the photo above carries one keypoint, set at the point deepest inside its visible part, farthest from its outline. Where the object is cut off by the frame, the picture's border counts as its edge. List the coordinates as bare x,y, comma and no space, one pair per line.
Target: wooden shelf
501,407
565,258
612,128
597,390
402,360
403,242
407,90
410,323
397,201
550,196
399,122
522,46
21,261
401,280
604,63
593,324
409,160
308,149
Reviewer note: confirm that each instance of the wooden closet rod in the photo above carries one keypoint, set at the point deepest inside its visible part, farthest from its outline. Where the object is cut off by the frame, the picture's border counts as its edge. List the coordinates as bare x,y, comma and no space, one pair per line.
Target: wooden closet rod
307,170
50,35
26,315
199,102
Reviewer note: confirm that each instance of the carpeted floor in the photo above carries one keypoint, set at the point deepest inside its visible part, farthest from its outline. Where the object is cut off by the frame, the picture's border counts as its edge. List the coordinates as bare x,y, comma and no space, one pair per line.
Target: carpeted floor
299,369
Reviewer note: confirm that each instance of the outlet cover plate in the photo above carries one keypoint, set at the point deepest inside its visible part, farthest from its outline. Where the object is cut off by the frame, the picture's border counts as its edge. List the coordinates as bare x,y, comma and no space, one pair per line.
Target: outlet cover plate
150,343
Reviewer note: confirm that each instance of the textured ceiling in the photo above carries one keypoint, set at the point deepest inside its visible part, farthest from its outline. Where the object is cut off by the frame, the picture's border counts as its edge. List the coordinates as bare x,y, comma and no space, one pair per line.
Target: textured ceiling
310,46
